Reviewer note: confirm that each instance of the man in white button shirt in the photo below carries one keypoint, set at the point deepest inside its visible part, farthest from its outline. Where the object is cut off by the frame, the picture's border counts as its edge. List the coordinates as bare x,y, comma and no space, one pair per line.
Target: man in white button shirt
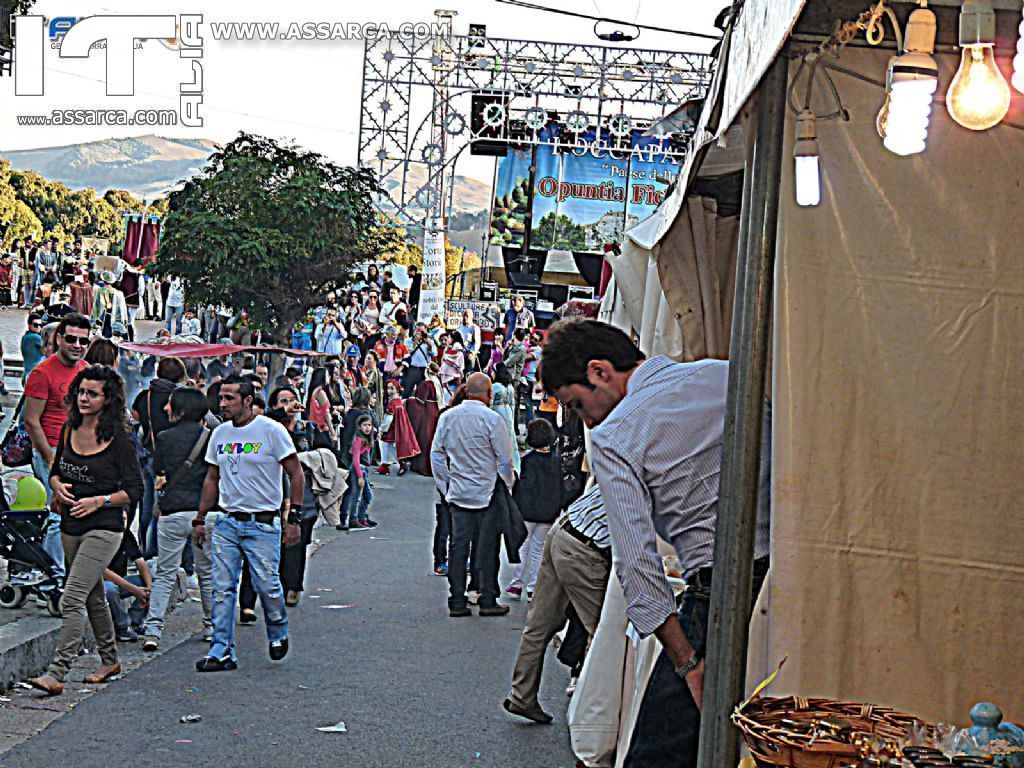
657,431
472,449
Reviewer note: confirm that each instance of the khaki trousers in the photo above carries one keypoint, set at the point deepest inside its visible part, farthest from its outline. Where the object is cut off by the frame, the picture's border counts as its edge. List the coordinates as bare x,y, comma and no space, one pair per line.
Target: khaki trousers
86,557
570,571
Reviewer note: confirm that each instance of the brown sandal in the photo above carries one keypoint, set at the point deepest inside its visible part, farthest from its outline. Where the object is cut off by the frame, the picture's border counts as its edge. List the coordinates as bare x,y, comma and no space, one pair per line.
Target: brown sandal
56,689
114,671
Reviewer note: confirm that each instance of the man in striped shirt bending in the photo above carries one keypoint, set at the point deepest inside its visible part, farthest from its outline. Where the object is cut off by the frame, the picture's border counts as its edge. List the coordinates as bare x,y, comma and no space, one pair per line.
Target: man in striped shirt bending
656,452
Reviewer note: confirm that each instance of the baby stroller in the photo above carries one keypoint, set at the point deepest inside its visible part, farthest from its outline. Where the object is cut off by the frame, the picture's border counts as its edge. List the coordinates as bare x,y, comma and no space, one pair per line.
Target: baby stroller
31,572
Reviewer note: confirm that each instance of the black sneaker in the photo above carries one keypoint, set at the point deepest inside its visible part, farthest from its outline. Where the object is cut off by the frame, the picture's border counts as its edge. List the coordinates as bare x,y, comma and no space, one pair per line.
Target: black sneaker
213,664
341,527
247,616
459,613
150,644
370,523
126,635
278,649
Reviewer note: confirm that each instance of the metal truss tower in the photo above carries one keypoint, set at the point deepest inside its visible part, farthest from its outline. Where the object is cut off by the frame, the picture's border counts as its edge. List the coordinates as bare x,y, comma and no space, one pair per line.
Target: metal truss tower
610,91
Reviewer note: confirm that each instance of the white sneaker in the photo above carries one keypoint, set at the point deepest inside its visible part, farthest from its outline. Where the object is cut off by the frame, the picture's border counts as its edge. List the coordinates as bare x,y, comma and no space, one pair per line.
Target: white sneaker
473,597
193,582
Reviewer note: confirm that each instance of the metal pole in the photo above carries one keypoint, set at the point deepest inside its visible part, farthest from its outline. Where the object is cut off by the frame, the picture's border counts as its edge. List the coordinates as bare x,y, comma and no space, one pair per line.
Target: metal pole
728,623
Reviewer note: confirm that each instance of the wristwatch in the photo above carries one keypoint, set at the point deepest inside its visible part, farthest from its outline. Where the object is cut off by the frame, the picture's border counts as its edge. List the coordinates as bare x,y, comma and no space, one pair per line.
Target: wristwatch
106,501
688,667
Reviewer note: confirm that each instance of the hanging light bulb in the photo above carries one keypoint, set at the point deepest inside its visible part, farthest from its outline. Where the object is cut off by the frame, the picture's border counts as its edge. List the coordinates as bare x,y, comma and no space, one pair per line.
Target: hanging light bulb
805,154
978,98
915,77
1018,60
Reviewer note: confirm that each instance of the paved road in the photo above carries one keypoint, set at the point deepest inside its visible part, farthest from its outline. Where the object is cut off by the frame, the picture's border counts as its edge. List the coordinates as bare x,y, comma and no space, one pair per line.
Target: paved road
414,687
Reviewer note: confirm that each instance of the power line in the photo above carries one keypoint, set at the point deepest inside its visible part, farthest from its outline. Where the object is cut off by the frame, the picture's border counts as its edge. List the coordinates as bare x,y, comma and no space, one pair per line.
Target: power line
560,11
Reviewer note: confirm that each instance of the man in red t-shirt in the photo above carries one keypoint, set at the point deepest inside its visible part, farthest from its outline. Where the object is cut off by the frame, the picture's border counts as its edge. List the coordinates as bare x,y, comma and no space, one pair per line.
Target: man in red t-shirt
45,413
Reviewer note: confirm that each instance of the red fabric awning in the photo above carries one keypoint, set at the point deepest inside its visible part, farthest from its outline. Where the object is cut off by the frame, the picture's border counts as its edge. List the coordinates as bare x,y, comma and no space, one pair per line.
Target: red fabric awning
208,350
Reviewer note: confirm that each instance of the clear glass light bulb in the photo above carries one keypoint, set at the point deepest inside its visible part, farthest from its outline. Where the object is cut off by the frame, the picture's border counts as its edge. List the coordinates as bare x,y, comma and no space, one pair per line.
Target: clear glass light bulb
978,98
808,181
910,106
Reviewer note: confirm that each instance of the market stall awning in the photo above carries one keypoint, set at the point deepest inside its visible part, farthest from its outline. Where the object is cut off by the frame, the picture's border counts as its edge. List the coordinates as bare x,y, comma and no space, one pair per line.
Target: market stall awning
207,350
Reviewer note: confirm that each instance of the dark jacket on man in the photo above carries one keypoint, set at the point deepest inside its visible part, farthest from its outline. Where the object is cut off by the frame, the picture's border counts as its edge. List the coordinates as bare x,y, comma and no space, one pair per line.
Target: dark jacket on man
503,519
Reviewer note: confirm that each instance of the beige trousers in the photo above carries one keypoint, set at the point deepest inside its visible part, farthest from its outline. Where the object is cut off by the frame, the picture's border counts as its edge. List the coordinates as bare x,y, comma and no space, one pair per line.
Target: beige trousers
570,571
85,558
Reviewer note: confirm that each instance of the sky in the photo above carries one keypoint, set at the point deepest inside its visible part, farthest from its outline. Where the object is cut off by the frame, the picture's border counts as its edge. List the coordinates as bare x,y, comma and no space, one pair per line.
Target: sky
308,91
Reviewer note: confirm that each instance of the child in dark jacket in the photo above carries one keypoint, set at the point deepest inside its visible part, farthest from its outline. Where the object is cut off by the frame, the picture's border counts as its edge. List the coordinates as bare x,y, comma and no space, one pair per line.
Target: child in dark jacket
539,496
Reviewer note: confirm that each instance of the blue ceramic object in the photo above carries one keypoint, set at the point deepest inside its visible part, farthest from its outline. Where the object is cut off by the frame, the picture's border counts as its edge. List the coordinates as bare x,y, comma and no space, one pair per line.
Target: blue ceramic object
991,736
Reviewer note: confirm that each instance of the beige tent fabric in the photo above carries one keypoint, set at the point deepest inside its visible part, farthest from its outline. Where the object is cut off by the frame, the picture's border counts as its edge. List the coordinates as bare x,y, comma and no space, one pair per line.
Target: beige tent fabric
898,547
697,268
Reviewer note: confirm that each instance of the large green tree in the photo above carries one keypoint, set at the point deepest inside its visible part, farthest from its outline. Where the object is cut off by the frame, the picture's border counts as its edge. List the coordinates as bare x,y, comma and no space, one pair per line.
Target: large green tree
66,213
16,218
270,229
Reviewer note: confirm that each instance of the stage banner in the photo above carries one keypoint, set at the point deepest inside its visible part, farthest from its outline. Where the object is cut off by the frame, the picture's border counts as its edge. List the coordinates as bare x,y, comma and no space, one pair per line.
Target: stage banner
586,193
432,290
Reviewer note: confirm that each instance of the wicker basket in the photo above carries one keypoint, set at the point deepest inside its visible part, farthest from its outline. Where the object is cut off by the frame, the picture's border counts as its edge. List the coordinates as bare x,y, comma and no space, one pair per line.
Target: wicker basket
773,744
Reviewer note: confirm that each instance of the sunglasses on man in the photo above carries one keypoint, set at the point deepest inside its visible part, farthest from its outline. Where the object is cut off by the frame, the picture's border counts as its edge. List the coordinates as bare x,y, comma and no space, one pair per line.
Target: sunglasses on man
70,338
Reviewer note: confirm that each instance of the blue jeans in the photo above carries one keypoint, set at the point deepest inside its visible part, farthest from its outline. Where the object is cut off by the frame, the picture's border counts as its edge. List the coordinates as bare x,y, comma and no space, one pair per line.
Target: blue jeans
51,539
261,543
357,500
528,400
147,523
175,314
135,614
667,726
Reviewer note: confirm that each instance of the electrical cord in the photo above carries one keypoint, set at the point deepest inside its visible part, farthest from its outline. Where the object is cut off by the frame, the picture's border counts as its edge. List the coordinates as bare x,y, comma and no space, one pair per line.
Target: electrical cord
562,12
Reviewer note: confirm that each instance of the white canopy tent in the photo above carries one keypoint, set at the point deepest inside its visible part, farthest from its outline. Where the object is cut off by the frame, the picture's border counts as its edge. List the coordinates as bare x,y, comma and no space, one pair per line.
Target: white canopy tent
897,377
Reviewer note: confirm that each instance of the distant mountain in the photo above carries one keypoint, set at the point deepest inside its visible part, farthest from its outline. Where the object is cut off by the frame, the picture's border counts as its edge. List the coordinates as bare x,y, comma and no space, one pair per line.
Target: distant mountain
471,195
151,166
147,166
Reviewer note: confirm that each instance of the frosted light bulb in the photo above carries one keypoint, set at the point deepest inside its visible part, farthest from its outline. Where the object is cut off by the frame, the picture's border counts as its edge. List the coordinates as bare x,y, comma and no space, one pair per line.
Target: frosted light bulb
808,180
910,106
1018,61
978,98
805,153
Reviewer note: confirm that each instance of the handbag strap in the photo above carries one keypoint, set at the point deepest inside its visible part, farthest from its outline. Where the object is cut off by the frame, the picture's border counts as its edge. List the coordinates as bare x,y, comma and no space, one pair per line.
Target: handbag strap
178,476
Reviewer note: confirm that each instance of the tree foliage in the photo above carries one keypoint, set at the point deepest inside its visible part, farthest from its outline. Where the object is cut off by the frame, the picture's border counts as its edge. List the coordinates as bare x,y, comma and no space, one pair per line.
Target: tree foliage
270,229
61,212
399,248
16,218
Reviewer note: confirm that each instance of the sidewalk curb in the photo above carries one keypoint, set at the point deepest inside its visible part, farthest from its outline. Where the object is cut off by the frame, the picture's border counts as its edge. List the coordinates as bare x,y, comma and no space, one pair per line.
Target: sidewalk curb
27,646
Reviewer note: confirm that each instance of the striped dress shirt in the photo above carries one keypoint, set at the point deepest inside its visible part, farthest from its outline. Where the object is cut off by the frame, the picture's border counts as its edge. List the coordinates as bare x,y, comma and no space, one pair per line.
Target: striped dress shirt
588,517
657,457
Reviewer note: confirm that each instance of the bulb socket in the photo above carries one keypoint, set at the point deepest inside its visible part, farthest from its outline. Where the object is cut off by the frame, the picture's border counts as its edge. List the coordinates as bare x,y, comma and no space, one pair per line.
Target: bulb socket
920,34
977,23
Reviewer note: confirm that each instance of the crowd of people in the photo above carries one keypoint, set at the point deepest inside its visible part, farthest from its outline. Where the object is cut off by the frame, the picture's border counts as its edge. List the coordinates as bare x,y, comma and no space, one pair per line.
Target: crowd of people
217,468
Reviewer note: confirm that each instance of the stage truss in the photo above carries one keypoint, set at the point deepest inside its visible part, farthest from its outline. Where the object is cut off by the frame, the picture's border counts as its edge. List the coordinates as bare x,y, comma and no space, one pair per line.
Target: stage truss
609,91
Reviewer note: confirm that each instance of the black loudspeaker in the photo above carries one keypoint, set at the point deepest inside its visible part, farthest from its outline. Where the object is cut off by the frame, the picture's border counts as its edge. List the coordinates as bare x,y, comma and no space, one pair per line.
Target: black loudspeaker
485,110
520,281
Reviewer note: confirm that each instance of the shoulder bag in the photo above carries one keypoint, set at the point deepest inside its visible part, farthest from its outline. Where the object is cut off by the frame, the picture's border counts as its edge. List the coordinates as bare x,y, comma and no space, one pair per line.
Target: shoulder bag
178,476
16,448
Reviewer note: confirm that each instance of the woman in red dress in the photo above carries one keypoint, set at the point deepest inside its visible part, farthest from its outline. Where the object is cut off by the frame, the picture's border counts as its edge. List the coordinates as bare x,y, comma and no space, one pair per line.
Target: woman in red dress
424,410
398,440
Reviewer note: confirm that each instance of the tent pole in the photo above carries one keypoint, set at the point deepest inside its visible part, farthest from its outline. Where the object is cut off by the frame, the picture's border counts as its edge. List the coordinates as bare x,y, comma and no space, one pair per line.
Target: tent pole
728,622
